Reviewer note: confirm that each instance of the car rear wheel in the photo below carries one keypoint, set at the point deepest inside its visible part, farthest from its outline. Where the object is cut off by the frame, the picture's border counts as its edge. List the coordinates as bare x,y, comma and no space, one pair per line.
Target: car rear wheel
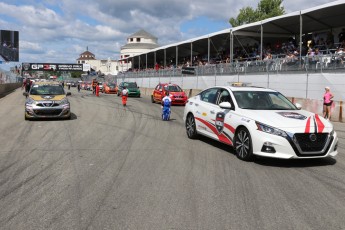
243,145
191,127
152,100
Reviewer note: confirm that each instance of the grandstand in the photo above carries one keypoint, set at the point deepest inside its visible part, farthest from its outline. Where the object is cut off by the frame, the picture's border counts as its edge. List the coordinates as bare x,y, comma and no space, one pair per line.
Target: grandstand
304,41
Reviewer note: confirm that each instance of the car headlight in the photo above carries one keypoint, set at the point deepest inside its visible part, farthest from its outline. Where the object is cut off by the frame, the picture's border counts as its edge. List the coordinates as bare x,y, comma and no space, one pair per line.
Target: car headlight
29,101
270,130
64,101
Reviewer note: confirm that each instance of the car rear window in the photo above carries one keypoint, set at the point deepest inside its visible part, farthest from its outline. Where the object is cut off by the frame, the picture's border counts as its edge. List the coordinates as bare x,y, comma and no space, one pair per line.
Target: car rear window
173,88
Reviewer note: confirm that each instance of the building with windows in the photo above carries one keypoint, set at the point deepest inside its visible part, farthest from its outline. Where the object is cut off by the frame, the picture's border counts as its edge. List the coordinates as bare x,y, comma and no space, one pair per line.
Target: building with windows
106,66
137,44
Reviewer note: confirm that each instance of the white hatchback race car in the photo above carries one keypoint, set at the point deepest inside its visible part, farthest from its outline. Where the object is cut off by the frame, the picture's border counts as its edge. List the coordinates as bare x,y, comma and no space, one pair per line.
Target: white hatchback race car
259,121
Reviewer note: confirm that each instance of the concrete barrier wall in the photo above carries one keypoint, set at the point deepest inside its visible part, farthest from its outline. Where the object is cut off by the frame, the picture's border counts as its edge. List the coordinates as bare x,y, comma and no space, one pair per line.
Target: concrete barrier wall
9,87
312,105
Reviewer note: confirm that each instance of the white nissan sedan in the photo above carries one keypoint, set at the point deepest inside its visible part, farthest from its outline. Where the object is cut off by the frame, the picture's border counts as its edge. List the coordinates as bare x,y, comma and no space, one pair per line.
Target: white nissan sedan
259,121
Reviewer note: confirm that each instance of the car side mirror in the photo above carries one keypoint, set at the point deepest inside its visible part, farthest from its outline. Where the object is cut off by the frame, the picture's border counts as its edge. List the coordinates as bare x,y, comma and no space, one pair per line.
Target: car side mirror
25,94
298,106
225,105
68,94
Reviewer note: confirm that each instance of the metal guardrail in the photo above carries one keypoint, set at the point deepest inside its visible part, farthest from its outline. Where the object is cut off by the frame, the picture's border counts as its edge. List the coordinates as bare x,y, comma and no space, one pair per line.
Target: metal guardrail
324,63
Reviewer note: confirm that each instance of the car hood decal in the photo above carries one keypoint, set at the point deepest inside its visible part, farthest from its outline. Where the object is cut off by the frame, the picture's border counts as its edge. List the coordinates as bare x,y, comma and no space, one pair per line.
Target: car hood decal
47,97
291,120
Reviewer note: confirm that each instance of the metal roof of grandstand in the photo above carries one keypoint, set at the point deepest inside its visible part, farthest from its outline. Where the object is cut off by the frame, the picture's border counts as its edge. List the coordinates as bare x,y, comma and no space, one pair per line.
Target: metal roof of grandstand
321,18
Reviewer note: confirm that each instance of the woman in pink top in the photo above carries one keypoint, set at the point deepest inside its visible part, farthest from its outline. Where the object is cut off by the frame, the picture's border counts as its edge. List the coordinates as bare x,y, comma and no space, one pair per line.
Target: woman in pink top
327,102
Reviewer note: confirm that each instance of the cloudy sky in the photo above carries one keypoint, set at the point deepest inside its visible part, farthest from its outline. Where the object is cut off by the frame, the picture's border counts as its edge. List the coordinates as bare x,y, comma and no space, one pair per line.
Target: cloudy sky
59,30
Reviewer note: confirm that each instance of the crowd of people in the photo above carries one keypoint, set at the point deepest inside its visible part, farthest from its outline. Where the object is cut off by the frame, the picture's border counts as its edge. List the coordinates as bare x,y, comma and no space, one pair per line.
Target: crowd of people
314,48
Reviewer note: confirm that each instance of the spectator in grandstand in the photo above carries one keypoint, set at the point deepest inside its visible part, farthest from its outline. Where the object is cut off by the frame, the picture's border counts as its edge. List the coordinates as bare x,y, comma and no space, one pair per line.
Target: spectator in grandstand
156,66
342,44
330,37
321,44
339,56
341,35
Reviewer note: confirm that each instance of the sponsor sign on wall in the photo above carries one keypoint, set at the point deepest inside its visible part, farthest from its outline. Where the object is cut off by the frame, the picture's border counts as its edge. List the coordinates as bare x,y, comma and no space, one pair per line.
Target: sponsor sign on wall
188,70
53,67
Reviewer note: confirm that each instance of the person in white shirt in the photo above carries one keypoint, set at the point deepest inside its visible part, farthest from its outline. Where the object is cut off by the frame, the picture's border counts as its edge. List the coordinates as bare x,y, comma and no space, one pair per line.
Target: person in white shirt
124,94
166,104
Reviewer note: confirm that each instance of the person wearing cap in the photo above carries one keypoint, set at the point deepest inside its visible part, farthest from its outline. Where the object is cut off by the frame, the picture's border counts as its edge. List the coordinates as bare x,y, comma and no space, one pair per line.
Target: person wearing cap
327,102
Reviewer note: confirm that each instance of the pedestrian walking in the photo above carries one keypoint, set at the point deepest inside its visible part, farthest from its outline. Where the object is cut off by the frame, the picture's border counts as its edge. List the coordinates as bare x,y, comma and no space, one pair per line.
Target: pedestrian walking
26,85
78,86
327,103
124,94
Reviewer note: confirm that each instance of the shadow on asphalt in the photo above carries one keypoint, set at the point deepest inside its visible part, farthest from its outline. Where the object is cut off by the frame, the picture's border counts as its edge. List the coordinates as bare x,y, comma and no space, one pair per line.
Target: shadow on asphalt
73,117
273,162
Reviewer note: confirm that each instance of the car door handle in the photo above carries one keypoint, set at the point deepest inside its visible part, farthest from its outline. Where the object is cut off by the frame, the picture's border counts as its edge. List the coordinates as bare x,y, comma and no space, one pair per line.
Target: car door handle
212,112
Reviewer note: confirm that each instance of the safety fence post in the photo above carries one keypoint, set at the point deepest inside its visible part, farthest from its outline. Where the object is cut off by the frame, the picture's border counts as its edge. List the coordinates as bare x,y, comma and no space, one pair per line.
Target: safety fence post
341,111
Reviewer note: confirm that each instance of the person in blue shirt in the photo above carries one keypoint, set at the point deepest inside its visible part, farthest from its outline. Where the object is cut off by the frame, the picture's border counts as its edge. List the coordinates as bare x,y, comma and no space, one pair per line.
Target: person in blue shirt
166,104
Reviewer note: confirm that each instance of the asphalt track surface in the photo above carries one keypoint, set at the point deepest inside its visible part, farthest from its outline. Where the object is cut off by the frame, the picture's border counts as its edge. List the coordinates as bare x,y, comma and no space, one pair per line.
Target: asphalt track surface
115,168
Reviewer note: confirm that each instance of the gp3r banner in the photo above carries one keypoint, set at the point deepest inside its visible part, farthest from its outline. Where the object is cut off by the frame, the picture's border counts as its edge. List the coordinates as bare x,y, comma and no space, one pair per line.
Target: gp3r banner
52,67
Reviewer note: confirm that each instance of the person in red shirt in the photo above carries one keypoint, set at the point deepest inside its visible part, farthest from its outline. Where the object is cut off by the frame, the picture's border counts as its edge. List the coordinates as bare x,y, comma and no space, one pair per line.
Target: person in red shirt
27,84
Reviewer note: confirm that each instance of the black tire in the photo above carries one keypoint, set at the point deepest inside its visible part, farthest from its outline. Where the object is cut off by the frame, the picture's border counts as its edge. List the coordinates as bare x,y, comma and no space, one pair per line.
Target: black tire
152,100
191,127
243,144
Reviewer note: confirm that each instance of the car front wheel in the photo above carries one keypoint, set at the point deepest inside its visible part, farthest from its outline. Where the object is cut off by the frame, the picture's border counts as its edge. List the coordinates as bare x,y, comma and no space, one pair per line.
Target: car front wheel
191,127
243,145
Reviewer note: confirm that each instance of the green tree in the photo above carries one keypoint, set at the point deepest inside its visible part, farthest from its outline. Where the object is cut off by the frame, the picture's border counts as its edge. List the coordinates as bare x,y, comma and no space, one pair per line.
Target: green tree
265,9
76,74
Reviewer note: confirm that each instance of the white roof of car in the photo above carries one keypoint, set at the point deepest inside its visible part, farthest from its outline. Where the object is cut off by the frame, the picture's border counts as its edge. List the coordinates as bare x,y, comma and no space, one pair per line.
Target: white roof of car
247,88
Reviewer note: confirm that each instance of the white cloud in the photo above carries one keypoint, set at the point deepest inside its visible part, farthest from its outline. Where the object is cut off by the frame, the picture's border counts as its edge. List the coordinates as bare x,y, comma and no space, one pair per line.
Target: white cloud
62,29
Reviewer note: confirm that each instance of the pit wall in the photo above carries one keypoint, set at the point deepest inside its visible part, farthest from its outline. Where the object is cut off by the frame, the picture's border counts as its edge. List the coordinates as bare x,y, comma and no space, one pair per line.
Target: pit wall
311,105
8,88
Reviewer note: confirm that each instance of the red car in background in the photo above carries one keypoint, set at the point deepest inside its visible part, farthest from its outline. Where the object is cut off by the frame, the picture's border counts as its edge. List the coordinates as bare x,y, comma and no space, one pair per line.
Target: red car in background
110,88
177,95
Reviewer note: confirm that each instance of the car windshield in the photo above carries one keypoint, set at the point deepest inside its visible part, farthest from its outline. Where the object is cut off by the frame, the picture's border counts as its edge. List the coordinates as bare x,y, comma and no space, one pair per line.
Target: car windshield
131,85
111,85
173,88
260,100
47,90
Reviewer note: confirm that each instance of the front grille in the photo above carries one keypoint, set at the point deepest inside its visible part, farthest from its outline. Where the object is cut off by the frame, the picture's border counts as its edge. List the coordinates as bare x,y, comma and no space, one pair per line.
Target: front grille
48,112
311,142
48,104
